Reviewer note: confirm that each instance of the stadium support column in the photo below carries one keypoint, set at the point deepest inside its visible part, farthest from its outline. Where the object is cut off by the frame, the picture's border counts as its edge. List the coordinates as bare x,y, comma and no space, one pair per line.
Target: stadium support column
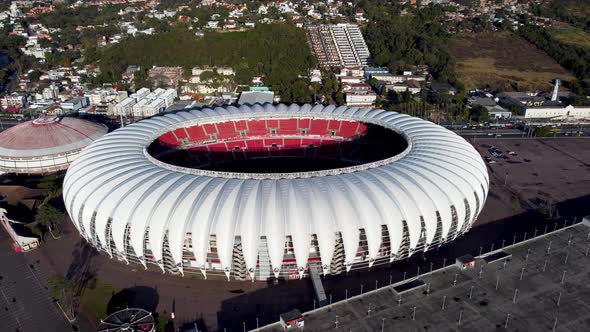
318,287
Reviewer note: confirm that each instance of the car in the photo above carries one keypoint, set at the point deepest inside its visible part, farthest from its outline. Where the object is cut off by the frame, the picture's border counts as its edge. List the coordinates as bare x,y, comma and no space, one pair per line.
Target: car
498,135
512,153
527,160
491,162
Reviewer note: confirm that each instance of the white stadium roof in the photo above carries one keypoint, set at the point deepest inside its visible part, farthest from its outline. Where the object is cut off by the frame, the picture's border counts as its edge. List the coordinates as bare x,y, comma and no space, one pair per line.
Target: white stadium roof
116,188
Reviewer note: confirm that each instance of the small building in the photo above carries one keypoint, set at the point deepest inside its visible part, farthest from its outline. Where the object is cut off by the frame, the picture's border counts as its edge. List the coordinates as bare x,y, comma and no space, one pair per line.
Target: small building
442,88
360,98
74,104
169,76
465,262
292,319
14,99
256,97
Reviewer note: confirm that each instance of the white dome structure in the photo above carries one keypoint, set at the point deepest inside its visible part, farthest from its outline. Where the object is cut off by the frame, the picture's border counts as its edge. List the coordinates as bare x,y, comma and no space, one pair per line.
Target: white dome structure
125,196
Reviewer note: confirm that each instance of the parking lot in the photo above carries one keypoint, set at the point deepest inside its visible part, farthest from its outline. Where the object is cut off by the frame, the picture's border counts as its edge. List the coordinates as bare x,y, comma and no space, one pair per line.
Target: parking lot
544,285
543,170
25,304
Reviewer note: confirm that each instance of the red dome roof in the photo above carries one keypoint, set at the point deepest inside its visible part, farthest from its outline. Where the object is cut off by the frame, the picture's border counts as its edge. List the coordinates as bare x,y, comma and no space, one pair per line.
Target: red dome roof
48,136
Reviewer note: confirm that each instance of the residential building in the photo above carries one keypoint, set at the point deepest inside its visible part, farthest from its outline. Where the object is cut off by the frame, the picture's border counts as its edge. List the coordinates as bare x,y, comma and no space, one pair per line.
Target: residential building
168,76
339,45
74,104
360,98
14,99
125,107
50,92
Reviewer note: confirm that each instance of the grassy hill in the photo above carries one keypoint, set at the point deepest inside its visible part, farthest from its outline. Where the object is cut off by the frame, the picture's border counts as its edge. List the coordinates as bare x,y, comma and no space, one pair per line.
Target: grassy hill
571,35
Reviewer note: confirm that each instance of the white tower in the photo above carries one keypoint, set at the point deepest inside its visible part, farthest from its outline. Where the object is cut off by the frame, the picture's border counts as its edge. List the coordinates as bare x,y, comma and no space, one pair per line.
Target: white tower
555,89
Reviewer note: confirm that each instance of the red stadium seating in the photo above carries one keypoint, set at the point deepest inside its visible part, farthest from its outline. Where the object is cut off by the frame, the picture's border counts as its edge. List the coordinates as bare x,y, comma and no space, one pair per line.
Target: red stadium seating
180,134
196,134
362,128
304,123
257,128
334,125
272,123
318,127
217,147
210,129
169,139
241,125
255,145
286,137
277,142
288,127
348,129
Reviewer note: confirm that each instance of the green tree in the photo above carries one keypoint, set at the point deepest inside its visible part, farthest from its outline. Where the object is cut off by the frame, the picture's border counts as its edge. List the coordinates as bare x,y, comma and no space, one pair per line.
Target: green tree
479,114
48,216
50,186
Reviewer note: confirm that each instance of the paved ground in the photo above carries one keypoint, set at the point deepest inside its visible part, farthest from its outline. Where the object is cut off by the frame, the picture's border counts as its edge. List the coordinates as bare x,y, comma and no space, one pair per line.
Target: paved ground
558,171
25,304
534,291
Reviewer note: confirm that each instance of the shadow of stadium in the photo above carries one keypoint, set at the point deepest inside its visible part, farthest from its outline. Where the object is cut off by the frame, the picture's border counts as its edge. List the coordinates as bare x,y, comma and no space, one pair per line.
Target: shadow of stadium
267,304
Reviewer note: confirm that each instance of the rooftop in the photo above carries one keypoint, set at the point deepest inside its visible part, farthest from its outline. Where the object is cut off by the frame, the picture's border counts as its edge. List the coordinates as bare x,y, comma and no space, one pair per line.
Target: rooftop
545,283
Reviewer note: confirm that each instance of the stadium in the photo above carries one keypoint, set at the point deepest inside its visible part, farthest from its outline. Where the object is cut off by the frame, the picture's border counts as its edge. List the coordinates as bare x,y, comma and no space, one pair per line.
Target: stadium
46,145
265,191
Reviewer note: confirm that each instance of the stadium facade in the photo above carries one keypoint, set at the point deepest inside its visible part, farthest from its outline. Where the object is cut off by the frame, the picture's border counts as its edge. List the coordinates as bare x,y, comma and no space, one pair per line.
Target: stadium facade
46,145
127,198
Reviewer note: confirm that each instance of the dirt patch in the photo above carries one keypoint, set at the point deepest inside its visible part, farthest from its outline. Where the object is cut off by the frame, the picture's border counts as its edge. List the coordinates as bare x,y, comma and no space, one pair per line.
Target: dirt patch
503,61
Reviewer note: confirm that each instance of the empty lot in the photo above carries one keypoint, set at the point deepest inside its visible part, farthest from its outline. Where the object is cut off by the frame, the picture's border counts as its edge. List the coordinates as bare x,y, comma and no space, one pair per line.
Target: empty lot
558,171
503,61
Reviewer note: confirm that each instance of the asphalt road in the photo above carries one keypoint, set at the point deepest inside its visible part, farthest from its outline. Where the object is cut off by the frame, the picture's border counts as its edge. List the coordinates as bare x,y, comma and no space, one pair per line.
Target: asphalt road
25,303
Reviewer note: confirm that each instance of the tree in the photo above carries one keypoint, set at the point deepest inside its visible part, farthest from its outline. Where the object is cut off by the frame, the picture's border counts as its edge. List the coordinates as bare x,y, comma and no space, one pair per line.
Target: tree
50,187
63,290
48,216
34,76
479,114
339,98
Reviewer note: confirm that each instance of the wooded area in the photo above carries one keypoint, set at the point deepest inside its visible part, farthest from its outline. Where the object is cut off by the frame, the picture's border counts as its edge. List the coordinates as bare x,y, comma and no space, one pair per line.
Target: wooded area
278,52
